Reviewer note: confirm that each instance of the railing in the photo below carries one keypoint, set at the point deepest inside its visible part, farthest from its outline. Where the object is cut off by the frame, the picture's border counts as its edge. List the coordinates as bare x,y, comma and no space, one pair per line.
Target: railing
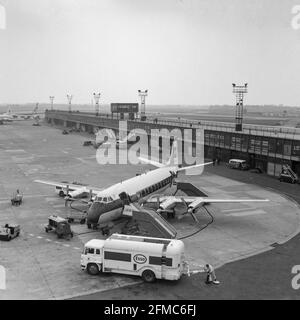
275,131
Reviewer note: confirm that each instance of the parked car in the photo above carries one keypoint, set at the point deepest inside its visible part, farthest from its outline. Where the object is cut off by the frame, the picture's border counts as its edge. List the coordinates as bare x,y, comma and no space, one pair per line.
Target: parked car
238,164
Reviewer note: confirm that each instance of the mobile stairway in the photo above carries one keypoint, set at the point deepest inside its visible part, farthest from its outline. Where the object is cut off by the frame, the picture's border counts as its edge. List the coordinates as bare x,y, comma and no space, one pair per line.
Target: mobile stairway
288,173
146,222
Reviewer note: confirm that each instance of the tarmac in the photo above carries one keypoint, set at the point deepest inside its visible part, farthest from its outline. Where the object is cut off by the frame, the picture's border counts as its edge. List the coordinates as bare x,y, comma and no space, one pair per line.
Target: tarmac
40,266
264,276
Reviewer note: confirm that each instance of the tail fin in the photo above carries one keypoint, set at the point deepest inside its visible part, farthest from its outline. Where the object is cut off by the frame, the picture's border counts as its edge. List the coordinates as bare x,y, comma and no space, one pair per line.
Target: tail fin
35,109
173,160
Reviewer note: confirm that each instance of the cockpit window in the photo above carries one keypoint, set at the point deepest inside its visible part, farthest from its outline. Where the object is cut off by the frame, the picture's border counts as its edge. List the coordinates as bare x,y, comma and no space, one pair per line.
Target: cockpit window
104,199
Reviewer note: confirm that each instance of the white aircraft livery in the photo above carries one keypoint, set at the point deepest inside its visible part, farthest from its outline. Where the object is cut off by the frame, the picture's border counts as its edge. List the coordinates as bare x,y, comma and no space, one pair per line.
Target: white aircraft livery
108,204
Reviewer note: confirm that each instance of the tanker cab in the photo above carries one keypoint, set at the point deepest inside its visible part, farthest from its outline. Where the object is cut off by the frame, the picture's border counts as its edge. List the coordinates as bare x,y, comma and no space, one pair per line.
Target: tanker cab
92,256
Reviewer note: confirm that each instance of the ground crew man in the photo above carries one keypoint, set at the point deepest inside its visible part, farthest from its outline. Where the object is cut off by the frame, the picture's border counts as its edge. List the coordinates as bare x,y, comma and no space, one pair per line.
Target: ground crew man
211,276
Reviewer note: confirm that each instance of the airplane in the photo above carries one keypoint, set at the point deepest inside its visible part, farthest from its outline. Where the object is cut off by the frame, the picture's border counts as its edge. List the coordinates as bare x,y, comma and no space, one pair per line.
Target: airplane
6,117
24,116
106,205
121,143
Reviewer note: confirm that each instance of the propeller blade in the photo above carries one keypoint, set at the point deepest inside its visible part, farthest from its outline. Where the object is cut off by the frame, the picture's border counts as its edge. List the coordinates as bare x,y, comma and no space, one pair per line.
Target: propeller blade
194,217
66,200
190,211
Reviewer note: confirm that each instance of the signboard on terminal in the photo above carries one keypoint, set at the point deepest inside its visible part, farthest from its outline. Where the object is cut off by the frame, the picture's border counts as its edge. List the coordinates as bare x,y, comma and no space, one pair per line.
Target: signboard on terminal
124,107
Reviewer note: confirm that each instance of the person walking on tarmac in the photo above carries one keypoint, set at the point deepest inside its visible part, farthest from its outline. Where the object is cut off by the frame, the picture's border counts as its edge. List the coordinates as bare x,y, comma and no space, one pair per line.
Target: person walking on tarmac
210,275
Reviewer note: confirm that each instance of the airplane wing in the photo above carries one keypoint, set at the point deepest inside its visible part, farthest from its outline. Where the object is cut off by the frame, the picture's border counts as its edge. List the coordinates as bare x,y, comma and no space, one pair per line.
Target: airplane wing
76,188
167,203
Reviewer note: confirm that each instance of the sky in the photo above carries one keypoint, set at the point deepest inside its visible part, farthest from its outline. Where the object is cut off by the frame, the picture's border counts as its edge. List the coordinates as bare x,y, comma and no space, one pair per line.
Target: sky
183,51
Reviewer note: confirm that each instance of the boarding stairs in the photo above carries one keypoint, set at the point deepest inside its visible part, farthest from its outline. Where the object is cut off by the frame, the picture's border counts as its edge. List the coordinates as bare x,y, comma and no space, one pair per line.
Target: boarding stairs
146,222
288,170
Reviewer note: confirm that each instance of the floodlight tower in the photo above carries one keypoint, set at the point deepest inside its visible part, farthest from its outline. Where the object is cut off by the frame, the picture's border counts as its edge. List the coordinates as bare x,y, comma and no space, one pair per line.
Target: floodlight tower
70,97
143,95
239,93
97,98
51,100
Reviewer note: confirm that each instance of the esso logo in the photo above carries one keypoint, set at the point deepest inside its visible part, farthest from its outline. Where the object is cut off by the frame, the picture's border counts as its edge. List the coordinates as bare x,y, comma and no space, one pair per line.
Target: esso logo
139,258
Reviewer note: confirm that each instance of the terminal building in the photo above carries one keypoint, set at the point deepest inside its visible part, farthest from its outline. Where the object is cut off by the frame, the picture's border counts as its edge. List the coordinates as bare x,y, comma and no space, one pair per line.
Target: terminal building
267,148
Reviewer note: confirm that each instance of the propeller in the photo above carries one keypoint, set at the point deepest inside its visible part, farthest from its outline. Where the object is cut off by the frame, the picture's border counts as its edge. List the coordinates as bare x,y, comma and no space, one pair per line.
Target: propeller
90,198
67,197
190,211
173,176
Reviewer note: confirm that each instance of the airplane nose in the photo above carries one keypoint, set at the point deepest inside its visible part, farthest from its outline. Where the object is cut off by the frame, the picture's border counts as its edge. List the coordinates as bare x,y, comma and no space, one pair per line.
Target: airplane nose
94,213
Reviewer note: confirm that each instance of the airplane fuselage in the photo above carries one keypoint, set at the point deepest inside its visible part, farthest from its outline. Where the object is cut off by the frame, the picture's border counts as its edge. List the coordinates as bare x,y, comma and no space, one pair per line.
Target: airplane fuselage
141,187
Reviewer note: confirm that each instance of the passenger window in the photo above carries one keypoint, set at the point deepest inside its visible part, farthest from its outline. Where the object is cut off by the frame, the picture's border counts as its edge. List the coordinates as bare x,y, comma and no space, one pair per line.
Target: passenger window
97,251
104,199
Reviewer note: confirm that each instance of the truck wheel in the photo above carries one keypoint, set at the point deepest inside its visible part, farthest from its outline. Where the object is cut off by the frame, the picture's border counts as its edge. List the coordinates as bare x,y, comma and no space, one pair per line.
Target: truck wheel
148,276
82,221
92,269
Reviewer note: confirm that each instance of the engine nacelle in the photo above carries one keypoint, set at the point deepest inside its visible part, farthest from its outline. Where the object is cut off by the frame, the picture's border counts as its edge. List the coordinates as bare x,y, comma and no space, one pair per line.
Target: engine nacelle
168,204
196,204
79,193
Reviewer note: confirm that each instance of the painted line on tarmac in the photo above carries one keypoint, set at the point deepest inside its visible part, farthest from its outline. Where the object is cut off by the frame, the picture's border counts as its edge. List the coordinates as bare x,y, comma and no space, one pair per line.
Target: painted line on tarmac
232,210
57,206
15,150
246,213
56,242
